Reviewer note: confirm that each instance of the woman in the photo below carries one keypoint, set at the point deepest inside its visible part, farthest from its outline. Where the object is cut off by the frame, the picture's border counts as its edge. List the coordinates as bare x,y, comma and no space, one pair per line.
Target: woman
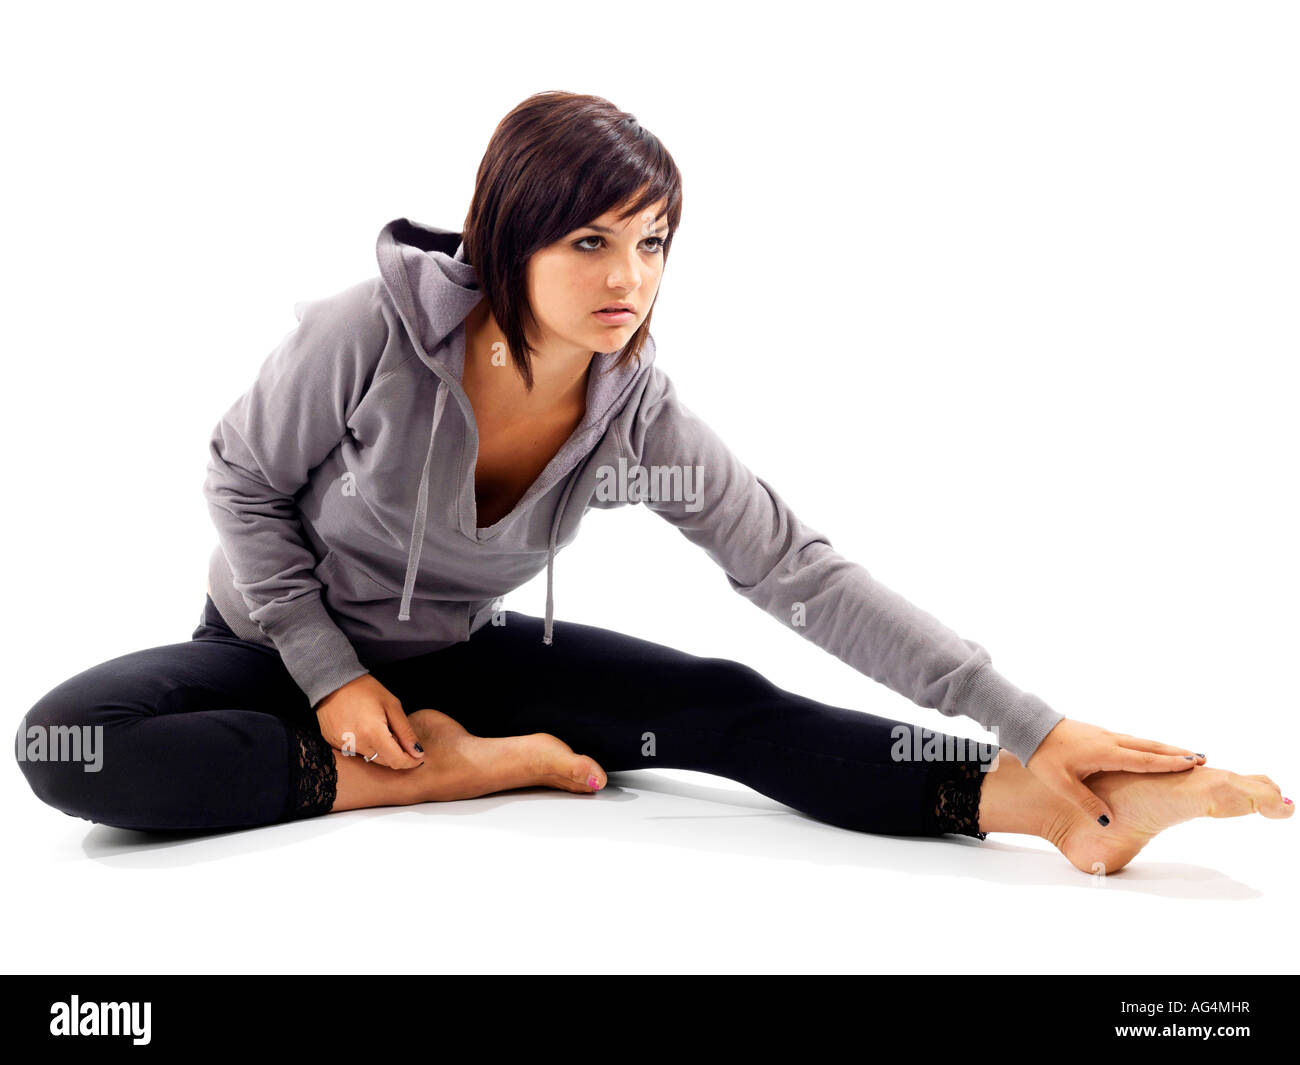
426,440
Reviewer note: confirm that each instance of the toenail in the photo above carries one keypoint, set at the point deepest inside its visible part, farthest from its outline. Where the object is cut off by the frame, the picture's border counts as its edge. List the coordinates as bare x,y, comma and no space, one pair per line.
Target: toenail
418,747
593,782
1199,755
1103,820
1287,801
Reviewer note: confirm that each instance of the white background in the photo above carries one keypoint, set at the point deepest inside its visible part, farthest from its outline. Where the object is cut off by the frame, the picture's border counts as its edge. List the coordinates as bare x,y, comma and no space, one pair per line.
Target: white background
1000,296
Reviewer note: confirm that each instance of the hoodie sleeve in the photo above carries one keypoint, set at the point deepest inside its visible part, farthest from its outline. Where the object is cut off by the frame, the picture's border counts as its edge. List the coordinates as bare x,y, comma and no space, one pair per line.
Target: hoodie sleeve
263,451
792,572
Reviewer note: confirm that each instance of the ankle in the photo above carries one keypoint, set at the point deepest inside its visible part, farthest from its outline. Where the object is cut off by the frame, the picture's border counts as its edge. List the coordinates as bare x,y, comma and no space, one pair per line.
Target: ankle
1014,800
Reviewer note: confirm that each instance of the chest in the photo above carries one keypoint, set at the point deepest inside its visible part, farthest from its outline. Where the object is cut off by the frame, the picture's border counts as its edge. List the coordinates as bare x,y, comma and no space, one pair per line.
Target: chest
511,456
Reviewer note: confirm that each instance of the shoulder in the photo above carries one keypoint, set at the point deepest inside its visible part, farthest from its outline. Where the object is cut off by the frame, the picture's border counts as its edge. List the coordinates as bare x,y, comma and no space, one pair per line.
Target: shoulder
358,326
656,393
661,421
359,310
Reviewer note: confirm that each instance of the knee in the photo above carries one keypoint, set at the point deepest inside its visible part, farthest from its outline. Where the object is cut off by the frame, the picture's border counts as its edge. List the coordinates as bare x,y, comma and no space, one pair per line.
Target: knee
59,747
726,675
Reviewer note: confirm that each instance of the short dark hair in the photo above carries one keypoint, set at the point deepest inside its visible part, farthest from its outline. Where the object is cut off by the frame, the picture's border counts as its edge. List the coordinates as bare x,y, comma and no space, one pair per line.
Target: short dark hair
555,163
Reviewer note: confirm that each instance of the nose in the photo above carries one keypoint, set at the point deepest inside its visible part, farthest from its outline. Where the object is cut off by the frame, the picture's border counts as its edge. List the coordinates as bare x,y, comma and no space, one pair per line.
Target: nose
626,273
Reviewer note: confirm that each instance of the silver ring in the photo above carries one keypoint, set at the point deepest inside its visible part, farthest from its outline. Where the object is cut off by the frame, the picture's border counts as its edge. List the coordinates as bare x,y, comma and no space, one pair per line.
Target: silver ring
371,758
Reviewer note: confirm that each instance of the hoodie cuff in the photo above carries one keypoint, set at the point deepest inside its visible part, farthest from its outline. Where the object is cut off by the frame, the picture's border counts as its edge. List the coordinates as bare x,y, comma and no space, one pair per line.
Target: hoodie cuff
1021,719
316,652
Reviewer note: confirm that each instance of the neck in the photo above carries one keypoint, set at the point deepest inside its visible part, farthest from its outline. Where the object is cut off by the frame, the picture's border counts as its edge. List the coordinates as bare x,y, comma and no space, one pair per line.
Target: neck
498,390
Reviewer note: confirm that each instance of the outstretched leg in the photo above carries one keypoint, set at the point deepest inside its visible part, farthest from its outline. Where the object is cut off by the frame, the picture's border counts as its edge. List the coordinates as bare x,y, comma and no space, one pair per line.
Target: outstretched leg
632,704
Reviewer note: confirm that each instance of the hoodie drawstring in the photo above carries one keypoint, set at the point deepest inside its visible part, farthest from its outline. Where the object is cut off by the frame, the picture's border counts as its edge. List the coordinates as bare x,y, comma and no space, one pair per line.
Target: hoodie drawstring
421,510
550,560
422,517
448,283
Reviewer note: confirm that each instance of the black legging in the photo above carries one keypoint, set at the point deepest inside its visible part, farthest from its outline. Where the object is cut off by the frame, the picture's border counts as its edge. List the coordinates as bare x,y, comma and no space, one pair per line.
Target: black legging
214,733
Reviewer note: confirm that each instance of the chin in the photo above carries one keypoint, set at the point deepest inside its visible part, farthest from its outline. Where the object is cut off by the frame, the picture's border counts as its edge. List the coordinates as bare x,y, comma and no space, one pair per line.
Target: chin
618,335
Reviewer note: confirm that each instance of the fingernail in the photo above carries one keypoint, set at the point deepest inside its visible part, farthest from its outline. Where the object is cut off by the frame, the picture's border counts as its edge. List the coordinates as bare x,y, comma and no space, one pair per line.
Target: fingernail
1199,755
418,747
593,782
1189,757
1103,820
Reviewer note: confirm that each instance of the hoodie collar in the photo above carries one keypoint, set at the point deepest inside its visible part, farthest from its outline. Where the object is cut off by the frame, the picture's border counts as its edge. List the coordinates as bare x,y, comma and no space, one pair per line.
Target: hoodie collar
434,287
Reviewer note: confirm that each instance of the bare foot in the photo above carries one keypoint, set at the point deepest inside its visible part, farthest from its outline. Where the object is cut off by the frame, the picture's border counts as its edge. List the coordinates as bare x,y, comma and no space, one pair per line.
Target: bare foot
1145,804
459,765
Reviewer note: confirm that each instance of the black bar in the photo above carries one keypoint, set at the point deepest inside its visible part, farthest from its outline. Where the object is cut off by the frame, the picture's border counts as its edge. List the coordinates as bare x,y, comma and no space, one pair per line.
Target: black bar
602,1014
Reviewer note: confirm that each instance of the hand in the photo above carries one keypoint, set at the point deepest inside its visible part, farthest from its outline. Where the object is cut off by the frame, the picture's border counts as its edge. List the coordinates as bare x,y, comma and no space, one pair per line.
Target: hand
376,720
1074,750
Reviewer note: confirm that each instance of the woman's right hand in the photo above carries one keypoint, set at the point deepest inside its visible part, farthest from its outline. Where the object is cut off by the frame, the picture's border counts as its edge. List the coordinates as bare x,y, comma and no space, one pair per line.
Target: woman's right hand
371,717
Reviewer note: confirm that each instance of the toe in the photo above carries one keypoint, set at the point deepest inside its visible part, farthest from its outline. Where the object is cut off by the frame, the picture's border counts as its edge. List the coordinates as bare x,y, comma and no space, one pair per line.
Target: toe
1265,797
1276,806
586,772
573,772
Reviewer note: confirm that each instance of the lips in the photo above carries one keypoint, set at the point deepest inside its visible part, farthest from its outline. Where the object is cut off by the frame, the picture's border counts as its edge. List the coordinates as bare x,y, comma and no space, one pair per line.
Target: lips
615,307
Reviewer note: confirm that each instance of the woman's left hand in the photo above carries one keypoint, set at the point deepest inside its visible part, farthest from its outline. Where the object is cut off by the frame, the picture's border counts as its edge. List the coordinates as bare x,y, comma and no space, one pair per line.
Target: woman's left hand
1074,750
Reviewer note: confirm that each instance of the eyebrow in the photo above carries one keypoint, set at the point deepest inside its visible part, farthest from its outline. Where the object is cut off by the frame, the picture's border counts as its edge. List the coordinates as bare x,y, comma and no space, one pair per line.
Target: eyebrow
606,229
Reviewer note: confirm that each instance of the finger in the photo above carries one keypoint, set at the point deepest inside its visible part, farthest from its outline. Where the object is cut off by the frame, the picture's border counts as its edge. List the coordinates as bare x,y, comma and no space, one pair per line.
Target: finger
1085,799
346,742
393,756
390,751
1145,762
400,726
1154,746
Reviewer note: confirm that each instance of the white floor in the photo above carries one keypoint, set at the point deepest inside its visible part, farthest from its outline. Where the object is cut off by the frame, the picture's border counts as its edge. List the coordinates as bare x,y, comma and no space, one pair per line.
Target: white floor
664,871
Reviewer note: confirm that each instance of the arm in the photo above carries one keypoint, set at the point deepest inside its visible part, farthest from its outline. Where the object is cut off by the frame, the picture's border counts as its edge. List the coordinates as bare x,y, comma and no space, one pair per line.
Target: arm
263,451
791,571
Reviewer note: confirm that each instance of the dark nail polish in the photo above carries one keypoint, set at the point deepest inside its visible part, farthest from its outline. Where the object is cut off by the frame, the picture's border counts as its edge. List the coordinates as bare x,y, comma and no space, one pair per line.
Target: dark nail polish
1199,755
1189,758
419,748
1103,820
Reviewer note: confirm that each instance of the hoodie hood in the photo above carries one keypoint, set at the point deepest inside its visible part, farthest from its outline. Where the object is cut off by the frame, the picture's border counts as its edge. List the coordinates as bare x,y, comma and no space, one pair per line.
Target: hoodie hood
434,287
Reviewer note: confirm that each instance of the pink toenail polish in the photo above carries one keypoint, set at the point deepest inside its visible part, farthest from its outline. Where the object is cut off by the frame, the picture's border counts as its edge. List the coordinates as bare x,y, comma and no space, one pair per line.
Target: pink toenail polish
1287,801
593,782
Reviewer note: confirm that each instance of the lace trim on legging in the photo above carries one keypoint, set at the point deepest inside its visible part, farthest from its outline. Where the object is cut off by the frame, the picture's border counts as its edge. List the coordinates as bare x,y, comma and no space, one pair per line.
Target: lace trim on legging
313,775
957,799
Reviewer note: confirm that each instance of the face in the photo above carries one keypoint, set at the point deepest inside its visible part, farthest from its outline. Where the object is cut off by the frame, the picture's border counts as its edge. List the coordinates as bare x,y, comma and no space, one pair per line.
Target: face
606,262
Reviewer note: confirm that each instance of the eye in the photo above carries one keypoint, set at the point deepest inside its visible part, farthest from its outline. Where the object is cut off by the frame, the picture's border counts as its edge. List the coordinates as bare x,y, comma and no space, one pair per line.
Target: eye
579,244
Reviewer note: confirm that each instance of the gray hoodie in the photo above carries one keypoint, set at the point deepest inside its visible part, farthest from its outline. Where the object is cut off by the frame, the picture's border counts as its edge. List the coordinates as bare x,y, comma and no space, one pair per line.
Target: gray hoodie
342,488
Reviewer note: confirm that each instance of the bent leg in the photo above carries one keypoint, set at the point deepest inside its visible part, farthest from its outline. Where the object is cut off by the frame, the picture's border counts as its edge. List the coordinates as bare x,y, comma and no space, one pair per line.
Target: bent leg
212,733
